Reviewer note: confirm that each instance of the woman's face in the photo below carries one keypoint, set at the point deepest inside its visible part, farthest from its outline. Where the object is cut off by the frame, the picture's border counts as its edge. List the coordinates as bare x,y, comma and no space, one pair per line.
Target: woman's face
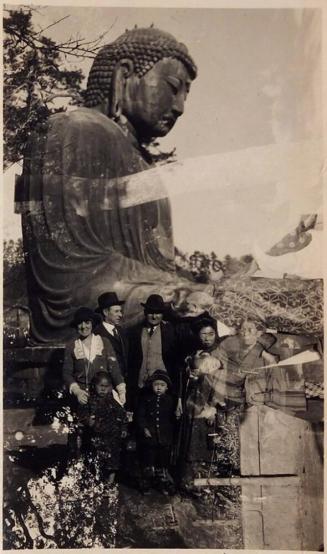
207,337
84,328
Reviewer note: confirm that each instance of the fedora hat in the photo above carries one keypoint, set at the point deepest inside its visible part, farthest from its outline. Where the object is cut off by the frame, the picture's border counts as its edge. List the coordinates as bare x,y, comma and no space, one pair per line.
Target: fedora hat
108,299
159,375
154,304
84,314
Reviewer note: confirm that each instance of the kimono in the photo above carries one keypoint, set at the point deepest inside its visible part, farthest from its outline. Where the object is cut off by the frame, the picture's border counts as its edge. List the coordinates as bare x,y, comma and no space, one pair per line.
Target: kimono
200,400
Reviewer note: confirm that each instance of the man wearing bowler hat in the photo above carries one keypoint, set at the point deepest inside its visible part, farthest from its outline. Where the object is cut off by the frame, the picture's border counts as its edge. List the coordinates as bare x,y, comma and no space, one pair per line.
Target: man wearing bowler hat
152,346
110,307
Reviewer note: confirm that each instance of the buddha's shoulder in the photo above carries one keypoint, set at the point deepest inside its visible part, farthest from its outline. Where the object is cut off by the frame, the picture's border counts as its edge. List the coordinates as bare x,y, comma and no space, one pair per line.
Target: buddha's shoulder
85,120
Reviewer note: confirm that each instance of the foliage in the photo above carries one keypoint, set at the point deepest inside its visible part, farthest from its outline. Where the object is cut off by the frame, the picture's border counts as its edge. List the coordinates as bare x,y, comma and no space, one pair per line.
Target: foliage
203,268
157,155
12,254
33,76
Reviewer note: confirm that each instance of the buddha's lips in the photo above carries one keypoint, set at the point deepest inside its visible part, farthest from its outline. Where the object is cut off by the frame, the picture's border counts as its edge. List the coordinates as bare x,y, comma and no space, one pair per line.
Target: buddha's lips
167,121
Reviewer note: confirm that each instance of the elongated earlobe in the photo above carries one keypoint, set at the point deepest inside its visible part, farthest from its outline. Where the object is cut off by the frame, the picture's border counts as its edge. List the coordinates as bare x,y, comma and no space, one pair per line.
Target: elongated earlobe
122,72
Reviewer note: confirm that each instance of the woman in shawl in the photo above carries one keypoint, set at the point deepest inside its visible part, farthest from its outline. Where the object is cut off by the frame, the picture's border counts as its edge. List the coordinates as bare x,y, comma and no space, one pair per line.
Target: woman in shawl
85,356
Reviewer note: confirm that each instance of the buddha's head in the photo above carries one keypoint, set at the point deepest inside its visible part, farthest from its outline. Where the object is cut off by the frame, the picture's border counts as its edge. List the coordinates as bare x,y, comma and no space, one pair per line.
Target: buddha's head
143,77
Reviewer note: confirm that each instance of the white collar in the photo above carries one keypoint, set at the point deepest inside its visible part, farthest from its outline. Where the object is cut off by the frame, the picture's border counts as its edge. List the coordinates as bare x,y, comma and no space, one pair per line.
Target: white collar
109,327
81,351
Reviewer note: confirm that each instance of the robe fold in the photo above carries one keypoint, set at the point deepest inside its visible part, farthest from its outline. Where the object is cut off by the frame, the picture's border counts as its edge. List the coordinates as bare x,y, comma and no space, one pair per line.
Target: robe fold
78,238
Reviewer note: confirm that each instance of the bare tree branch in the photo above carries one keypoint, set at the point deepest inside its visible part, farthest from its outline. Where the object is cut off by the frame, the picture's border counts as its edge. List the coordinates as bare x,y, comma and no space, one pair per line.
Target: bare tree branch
53,24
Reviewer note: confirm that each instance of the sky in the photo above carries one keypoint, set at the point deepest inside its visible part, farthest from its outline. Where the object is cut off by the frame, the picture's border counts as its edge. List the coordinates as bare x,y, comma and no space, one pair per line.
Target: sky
259,84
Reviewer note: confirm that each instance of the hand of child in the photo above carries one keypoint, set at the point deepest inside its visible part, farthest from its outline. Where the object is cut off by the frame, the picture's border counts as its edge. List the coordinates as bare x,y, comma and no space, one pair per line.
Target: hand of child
219,365
179,409
130,417
147,433
211,420
209,414
270,358
198,357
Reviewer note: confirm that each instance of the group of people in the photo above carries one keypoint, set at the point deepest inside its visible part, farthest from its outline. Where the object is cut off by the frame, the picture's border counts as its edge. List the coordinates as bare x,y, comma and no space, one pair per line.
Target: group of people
165,380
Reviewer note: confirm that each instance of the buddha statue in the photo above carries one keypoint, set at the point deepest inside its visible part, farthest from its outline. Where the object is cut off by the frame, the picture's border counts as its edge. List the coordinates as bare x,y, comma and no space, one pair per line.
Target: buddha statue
84,233
79,238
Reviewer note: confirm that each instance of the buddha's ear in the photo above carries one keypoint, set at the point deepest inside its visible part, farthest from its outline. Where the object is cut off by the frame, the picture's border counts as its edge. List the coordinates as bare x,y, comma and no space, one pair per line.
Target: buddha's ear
123,70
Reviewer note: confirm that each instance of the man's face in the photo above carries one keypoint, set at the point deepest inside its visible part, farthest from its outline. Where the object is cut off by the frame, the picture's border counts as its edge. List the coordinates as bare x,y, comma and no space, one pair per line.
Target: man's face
153,102
103,387
207,336
153,319
159,387
113,315
249,333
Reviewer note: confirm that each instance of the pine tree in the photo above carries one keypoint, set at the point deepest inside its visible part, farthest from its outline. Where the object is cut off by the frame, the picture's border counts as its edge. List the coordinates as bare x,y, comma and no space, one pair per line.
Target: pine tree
33,75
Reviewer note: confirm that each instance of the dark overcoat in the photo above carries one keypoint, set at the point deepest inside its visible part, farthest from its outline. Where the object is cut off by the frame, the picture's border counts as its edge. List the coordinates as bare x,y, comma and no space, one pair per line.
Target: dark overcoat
119,344
170,355
156,413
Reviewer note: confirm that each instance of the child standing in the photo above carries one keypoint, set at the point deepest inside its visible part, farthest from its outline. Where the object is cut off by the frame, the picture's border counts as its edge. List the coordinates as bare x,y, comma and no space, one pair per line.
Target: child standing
155,427
105,422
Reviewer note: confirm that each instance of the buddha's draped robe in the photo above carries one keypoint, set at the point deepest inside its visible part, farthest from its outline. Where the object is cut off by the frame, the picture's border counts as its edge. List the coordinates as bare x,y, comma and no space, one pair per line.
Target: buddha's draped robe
78,239
84,234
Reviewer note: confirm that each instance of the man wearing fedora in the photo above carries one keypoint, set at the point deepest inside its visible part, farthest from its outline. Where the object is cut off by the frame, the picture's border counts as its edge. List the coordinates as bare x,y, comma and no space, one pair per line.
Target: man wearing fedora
152,346
110,308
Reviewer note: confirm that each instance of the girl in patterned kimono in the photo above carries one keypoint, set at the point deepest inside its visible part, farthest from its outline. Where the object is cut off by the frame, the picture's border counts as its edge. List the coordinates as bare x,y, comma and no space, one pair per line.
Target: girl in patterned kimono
199,402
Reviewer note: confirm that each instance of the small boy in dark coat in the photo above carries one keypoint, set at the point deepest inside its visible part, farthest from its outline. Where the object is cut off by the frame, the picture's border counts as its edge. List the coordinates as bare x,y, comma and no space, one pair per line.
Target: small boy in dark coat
155,428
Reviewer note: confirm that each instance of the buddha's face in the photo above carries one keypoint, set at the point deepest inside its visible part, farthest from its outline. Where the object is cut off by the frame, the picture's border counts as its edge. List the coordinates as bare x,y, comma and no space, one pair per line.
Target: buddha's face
154,102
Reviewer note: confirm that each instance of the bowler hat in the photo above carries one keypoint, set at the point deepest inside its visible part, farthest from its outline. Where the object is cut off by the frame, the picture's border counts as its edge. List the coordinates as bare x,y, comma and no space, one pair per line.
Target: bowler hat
84,314
159,375
108,299
154,304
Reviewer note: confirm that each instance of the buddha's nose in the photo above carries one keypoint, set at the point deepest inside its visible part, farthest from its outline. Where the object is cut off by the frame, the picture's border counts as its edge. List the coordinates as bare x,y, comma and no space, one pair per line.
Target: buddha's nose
178,105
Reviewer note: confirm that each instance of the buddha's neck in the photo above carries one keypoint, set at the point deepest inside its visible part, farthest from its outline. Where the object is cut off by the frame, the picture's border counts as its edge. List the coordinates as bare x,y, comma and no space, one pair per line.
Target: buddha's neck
129,130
